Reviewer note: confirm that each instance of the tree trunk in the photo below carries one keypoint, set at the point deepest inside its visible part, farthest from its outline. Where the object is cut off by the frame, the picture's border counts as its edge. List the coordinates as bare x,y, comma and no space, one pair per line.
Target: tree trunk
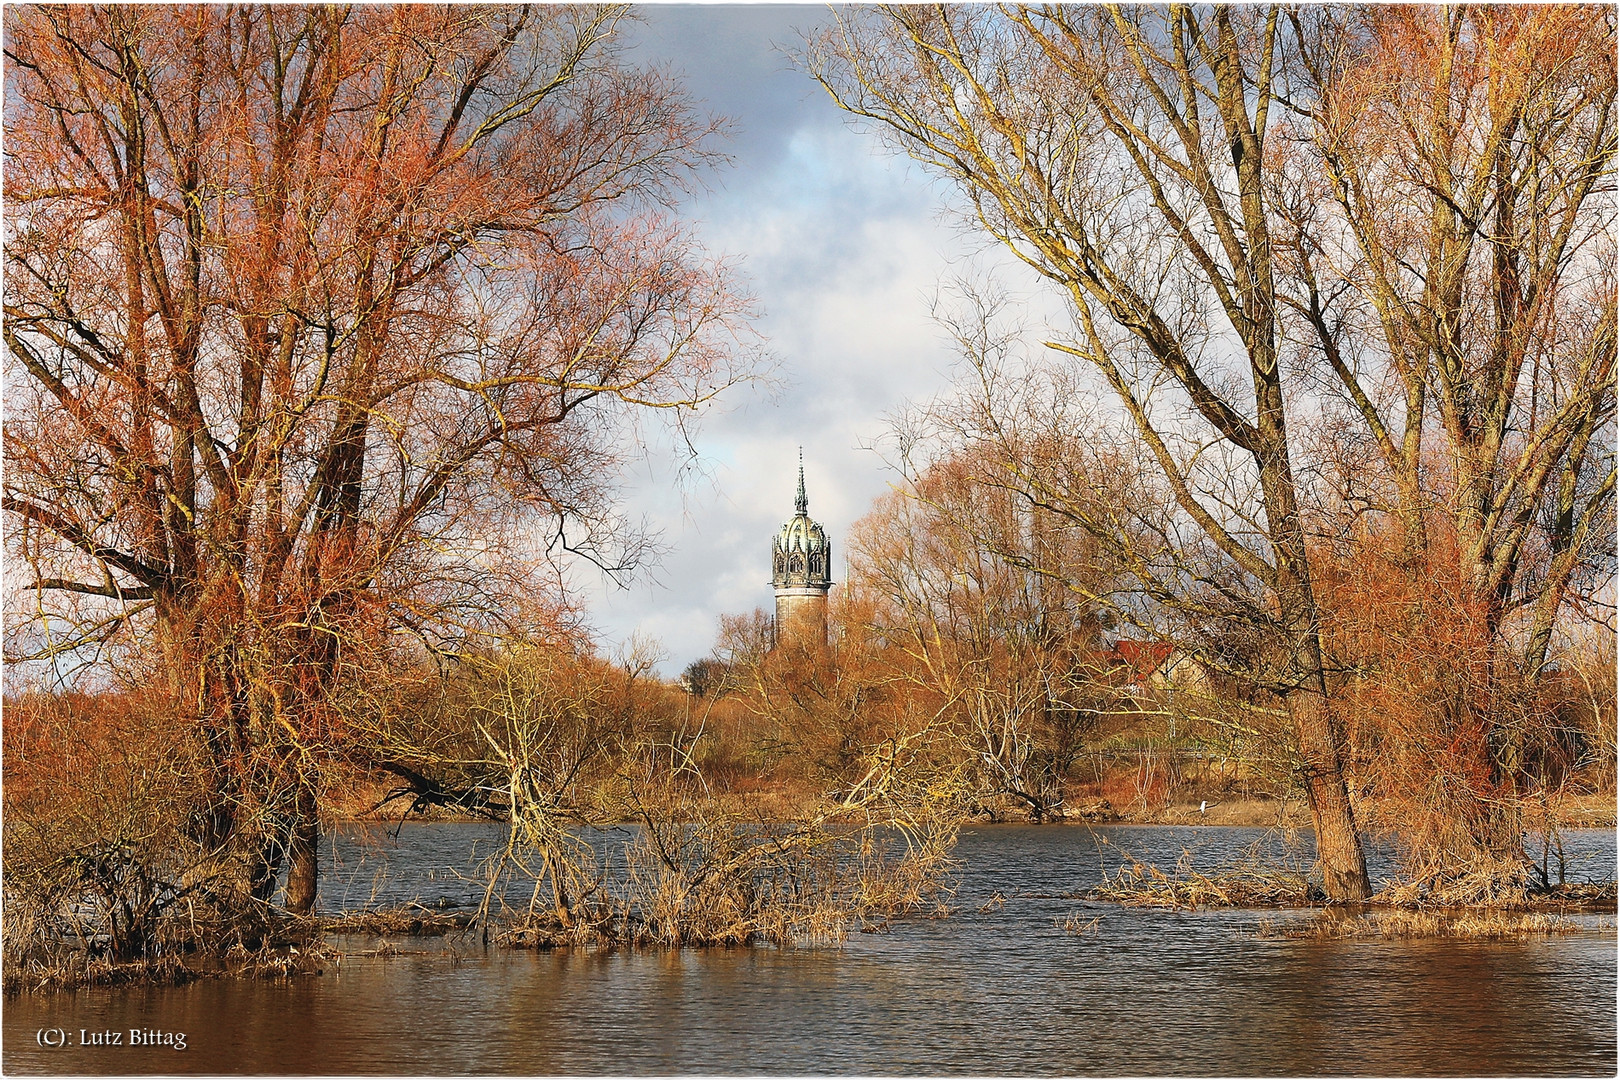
303,844
1321,741
1338,846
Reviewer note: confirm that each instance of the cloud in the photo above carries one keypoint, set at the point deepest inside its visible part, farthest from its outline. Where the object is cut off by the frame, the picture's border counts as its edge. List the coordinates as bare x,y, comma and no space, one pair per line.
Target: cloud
735,61
845,247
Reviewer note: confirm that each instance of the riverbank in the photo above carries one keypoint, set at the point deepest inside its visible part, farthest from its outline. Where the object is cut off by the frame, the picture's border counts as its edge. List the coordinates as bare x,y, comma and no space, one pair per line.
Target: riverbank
356,798
1572,812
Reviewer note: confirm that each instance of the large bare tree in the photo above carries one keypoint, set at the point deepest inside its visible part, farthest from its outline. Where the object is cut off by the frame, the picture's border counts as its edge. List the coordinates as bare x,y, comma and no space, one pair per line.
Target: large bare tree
1123,154
1447,224
323,327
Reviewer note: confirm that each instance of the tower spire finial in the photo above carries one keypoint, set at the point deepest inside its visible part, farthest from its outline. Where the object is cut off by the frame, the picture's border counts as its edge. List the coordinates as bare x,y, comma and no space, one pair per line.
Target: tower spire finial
801,505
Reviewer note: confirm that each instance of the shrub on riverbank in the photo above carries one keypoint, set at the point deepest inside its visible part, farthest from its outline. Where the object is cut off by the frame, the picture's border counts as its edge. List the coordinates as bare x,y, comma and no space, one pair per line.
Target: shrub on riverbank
707,869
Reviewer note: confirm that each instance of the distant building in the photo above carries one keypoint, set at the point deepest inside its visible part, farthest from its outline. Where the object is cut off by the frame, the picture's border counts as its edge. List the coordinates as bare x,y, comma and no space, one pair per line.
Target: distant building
801,572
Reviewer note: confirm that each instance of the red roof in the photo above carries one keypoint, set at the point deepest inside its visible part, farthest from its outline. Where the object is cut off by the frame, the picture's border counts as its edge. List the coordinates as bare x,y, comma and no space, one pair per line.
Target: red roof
1143,657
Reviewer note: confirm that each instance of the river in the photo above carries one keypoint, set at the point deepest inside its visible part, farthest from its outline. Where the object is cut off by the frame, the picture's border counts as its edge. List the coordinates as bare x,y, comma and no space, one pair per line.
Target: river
996,988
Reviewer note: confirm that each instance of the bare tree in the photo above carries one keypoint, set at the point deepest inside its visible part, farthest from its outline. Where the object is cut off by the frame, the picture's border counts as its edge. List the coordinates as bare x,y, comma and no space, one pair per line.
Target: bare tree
1123,154
1446,219
979,601
1462,294
323,325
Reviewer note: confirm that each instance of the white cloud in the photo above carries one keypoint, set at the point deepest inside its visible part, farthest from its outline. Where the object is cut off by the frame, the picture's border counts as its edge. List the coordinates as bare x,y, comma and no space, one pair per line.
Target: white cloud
844,245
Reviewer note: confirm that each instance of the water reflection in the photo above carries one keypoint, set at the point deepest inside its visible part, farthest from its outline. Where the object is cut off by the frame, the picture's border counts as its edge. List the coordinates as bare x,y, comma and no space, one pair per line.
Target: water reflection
1005,991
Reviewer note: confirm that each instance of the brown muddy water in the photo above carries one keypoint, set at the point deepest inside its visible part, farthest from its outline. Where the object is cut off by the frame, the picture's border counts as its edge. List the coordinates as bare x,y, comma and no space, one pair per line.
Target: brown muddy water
996,988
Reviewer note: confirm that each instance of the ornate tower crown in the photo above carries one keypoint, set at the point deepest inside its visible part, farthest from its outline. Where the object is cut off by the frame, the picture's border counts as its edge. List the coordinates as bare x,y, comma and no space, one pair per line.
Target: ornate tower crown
801,555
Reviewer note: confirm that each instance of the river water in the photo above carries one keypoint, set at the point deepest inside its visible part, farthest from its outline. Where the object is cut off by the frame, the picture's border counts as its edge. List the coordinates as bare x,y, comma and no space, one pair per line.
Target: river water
996,988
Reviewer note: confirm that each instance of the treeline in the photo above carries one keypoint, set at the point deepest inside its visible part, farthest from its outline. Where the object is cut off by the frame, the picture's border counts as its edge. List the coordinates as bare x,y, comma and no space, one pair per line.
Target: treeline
1026,647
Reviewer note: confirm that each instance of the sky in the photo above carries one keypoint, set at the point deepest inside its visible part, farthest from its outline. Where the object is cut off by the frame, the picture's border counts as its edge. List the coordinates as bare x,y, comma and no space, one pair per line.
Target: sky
845,247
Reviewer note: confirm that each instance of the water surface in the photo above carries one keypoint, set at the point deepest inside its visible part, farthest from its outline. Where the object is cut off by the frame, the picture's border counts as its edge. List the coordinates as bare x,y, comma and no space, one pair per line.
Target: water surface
1002,990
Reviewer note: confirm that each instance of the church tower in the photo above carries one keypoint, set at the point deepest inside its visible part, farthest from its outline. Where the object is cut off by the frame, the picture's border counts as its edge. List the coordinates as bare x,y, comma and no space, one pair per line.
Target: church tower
801,572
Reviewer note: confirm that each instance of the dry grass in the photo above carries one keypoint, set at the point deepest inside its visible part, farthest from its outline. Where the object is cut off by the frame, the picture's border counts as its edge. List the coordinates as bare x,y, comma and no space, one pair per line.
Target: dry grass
412,919
36,974
1500,892
1597,897
1249,884
1077,924
281,960
76,971
1483,924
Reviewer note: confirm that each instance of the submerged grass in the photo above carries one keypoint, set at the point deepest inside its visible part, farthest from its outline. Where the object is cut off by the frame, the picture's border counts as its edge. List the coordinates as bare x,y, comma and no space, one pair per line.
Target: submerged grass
412,919
1499,888
1483,924
1253,881
1077,924
1464,901
36,975
83,969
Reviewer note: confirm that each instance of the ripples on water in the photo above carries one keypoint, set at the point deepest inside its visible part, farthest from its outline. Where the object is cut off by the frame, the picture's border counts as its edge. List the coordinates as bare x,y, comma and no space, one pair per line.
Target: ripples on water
1000,991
